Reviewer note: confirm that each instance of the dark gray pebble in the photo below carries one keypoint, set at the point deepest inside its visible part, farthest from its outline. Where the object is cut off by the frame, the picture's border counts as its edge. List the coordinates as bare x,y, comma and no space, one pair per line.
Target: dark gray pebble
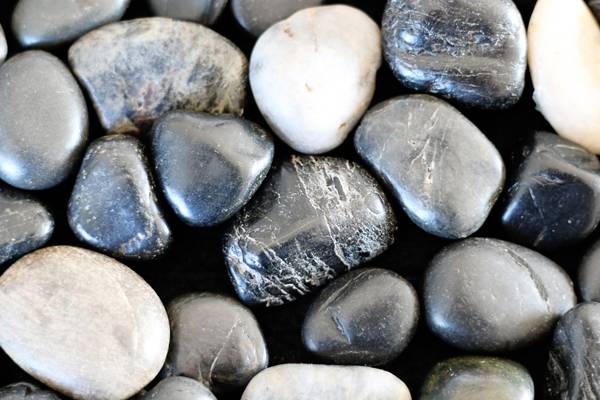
256,16
25,391
179,388
205,12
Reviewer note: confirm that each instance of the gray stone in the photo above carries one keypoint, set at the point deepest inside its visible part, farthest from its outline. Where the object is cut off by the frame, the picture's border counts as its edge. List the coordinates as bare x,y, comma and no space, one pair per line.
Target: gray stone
25,391
3,46
205,12
179,388
589,274
256,16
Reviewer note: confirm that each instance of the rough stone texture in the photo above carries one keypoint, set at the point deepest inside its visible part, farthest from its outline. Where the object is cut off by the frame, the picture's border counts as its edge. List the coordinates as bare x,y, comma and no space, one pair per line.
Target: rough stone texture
113,206
179,388
471,51
444,172
491,295
589,274
209,166
43,121
314,218
313,78
137,70
82,323
205,12
25,391
3,46
256,16
365,317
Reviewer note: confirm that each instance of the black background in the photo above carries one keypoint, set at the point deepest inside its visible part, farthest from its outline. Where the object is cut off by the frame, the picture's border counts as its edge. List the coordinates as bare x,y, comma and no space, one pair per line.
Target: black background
195,261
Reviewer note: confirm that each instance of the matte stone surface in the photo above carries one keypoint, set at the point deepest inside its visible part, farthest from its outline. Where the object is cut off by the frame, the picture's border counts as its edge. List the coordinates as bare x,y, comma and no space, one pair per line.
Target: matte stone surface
589,274
43,121
3,46
491,295
444,172
82,323
365,317
179,388
314,218
137,70
205,12
113,206
256,16
25,391
209,166
471,51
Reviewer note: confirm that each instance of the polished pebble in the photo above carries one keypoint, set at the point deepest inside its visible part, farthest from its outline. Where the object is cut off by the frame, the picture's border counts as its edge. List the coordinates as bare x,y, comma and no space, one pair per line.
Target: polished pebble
25,391
205,12
589,274
256,16
179,388
3,46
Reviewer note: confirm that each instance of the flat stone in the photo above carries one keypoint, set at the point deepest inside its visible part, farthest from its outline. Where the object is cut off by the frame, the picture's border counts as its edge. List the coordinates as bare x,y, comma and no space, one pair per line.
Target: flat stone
314,218
113,206
553,198
256,16
340,324
179,388
209,166
205,12
215,340
491,295
313,78
324,382
45,23
470,51
444,172
3,46
589,274
25,391
135,71
43,121
476,378
82,323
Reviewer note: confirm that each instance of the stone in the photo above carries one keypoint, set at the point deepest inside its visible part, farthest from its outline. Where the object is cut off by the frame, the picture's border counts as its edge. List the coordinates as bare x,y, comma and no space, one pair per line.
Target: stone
589,274
113,206
475,378
215,340
256,16
48,23
325,382
205,12
209,166
135,71
3,46
313,78
365,317
25,391
313,219
470,51
43,121
494,296
179,388
595,7
82,323
441,168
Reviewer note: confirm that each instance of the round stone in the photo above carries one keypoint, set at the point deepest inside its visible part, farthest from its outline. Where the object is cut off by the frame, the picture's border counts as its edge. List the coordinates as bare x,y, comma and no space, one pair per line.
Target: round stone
205,12
179,388
589,274
3,46
25,391
256,16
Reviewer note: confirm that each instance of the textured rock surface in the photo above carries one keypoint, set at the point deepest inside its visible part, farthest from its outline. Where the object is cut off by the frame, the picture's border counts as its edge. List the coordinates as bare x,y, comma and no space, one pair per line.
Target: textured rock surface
43,121
314,218
179,388
205,12
365,317
82,323
256,16
491,295
313,78
446,174
25,391
589,274
113,206
209,166
3,46
471,51
137,70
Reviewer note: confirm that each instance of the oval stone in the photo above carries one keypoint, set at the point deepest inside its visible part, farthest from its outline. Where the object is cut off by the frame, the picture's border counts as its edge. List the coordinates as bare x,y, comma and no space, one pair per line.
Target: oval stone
3,46
179,388
43,121
25,391
589,274
256,16
205,12
82,323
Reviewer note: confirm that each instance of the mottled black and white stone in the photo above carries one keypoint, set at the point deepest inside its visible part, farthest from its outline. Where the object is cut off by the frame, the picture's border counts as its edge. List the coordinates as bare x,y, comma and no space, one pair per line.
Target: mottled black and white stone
470,51
43,121
205,12
365,317
589,275
3,46
179,388
113,206
314,218
256,16
137,70
45,23
25,391
553,198
491,295
442,169
209,166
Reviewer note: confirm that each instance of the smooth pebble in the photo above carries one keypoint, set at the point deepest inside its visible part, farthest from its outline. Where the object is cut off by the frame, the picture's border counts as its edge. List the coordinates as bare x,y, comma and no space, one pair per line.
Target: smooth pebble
256,16
179,388
205,12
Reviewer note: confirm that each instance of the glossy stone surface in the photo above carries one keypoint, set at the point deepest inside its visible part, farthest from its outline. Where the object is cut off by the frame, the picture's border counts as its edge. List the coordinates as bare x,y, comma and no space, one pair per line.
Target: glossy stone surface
314,218
137,70
313,78
589,274
365,317
179,388
3,46
43,121
25,391
470,51
113,206
553,198
209,166
82,323
444,172
256,16
215,340
204,12
491,295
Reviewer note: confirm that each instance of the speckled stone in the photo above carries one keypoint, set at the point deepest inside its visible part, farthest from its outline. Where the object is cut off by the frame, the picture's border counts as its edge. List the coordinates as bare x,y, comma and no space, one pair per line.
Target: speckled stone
471,51
25,391
3,46
256,16
137,70
365,317
205,12
589,274
82,323
113,206
43,121
444,172
314,218
209,166
179,388
491,295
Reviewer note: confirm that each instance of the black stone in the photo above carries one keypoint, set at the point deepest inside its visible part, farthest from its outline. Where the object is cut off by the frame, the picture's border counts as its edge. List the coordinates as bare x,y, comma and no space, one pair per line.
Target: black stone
179,388
589,274
25,391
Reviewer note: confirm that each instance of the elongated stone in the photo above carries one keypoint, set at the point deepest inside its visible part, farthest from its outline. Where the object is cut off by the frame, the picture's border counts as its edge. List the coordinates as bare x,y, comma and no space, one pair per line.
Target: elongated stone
589,274
205,12
3,46
256,16
25,391
179,388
